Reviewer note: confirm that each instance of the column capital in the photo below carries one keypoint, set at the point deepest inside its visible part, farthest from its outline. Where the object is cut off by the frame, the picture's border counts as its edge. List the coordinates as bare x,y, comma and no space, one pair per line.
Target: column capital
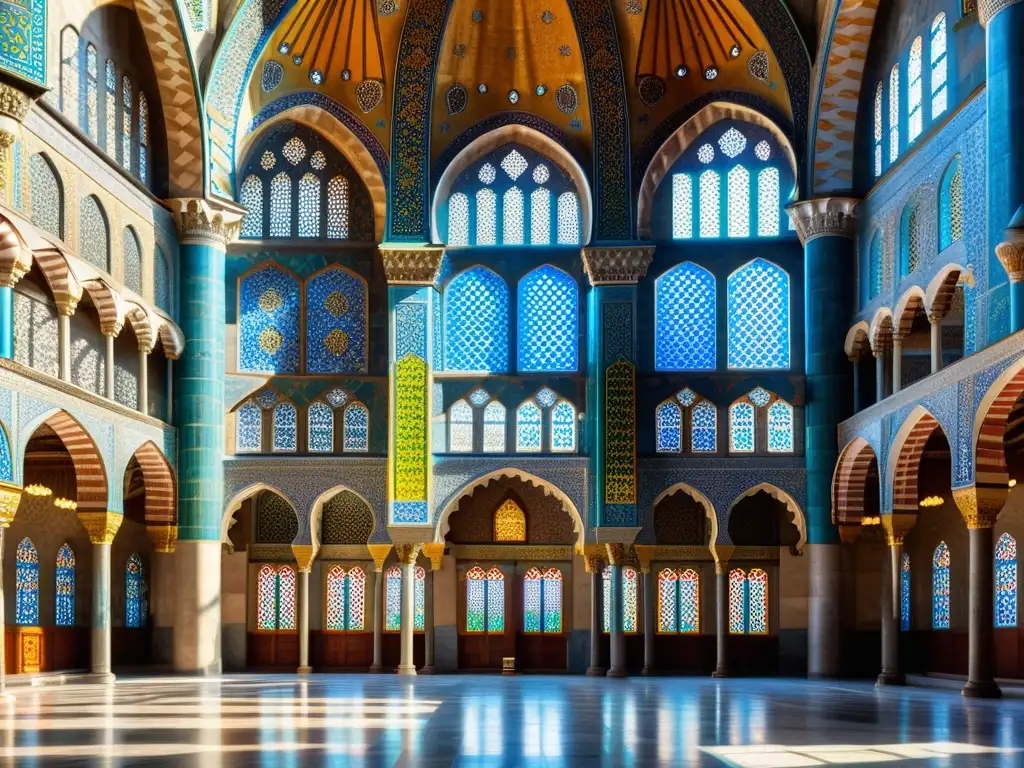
593,558
412,264
644,554
617,264
14,104
979,507
621,554
989,8
1011,255
304,555
102,527
10,498
897,525
721,553
435,551
164,537
935,317
201,221
824,217
407,553
379,553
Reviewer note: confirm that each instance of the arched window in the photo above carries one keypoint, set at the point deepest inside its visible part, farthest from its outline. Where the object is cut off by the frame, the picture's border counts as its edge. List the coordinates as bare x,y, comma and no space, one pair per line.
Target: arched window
93,233
161,280
703,428
485,600
937,49
251,198
458,219
285,428
460,427
940,587
357,428
476,322
26,597
915,118
132,266
64,605
321,427
337,208
905,593
878,130
494,427
110,107
758,299
249,428
268,321
126,123
748,602
876,266
685,319
275,597
910,250
768,202
46,200
542,601
90,121
669,427
528,427
336,322
738,195
486,217
143,169
568,219
894,113
509,522
69,74
628,581
951,205
780,427
135,607
678,601
393,602
563,427
710,204
281,205
686,408
548,302
346,597
540,217
741,427
512,217
309,206
682,206
1006,581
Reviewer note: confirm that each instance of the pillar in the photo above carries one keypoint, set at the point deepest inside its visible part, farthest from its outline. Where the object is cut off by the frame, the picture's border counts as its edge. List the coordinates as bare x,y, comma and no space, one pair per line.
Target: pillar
617,667
144,380
304,668
1010,253
650,618
890,604
897,361
595,567
721,618
10,498
428,625
162,590
204,230
857,404
14,106
935,326
826,229
108,367
879,355
379,553
407,560
102,527
979,508
64,312
7,321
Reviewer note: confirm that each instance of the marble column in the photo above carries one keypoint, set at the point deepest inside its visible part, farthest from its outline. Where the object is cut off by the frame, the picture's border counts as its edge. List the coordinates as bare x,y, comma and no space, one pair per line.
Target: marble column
378,621
16,261
144,380
407,559
650,620
897,362
721,619
108,365
617,667
595,567
102,527
304,668
64,312
857,404
428,626
162,589
891,673
935,327
1010,253
879,355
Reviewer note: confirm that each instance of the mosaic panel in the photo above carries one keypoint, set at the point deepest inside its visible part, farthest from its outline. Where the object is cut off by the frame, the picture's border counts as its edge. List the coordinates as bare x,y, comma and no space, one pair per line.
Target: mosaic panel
276,522
617,330
93,234
476,322
905,593
620,433
411,449
46,201
940,587
346,519
64,588
548,305
134,593
1006,581
336,323
685,319
23,39
268,320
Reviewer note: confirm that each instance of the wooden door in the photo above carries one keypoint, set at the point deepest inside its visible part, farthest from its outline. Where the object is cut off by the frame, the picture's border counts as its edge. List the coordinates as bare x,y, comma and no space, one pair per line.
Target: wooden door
485,650
539,651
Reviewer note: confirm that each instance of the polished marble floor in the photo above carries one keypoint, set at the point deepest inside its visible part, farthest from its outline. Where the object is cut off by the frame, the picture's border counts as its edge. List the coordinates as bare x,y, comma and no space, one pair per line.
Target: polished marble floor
383,720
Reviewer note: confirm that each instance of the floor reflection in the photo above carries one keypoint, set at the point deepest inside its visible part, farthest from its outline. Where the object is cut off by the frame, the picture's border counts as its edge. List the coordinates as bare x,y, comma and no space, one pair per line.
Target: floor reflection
361,720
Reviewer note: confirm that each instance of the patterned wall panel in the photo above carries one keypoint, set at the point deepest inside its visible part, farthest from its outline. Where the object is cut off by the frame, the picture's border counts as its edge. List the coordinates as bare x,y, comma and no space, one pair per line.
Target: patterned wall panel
23,38
620,433
345,519
337,322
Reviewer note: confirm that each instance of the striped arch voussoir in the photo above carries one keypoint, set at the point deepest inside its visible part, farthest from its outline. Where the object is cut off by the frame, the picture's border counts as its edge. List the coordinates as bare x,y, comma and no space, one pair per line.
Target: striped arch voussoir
158,480
142,324
90,475
904,491
850,481
108,305
990,459
66,289
15,255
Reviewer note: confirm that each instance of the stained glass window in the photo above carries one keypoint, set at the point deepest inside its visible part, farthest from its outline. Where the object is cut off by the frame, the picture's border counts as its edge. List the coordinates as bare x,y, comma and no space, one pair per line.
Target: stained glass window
905,593
894,113
940,587
356,423
393,599
684,319
64,605
91,123
251,198
337,208
568,219
134,593
703,428
678,601
458,219
268,321
476,322
266,598
710,213
460,427
528,427
741,427
281,205
345,599
540,216
909,240
759,316
629,599
768,196
486,217
548,303
682,206
286,588
132,253
669,427
915,121
748,602
249,428
69,74
294,150
951,205
1006,581
509,522
143,168
737,601
542,600
46,201
93,235
494,427
26,598
485,600
126,123
355,583
285,428
563,427
878,130
738,197
876,266
668,601
937,50
512,217
309,206
419,598
110,137
321,428
780,427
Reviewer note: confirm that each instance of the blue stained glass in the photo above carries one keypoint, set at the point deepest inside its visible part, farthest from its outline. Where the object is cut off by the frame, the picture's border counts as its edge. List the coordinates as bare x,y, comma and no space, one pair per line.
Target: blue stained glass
528,427
548,302
476,600
495,600
551,595
757,602
686,396
419,598
741,428
759,316
546,398
876,266
738,198
905,593
937,48
268,319
26,598
64,605
710,213
940,587
476,322
682,206
915,119
563,427
321,428
532,601
512,217
285,428
669,423
357,429
780,427
668,601
684,311
478,397
6,467
336,320
768,202
249,428
1006,581
759,397
689,601
704,428
458,219
393,599
134,593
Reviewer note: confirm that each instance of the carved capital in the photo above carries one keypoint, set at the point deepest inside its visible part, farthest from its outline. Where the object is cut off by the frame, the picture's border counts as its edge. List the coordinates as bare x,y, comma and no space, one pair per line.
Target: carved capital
897,525
164,537
304,554
407,553
102,527
1011,255
15,255
593,558
379,553
989,8
413,265
644,555
618,265
979,507
10,498
721,553
436,554
14,103
67,303
824,217
204,222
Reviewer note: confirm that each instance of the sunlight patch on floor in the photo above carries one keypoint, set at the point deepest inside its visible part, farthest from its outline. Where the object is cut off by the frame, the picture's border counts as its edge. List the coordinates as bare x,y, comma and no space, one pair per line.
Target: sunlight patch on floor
781,756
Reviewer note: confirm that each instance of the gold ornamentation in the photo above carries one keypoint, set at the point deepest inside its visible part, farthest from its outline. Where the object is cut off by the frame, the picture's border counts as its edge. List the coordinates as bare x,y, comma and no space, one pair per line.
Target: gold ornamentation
897,526
271,553
379,553
336,342
14,103
721,554
102,527
304,554
369,94
824,217
17,257
1011,256
644,553
407,553
163,537
10,498
989,8
980,507
412,266
620,433
270,300
509,522
336,303
617,266
411,455
271,340
513,552
203,222
435,552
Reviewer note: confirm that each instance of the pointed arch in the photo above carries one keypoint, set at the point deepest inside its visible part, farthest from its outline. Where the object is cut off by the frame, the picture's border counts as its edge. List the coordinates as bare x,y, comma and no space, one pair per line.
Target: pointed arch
939,294
548,298
759,316
476,322
159,481
798,518
317,525
906,308
685,319
46,195
709,509
856,339
90,471
905,459
509,522
93,233
850,479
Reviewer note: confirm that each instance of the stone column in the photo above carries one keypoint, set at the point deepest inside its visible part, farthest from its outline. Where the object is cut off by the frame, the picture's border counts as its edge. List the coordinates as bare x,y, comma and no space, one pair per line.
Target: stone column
935,326
379,553
595,567
1010,253
617,667
108,368
721,617
407,559
102,527
162,590
897,361
10,498
979,508
857,404
879,355
17,258
435,552
890,603
304,556
204,229
144,380
65,310
650,619
826,228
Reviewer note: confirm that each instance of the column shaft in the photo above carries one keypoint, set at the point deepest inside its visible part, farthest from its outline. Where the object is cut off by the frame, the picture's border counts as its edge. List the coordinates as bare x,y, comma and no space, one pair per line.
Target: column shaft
378,621
857,404
406,665
1016,306
823,636
6,325
428,625
880,376
101,609
143,382
617,668
108,368
981,650
596,623
64,346
3,618
936,344
890,604
304,667
897,363
721,620
650,611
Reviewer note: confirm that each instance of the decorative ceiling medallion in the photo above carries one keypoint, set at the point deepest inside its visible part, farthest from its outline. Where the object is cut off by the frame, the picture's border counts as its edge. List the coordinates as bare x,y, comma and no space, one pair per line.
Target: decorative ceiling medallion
456,99
757,67
634,7
369,94
547,17
272,75
652,89
387,7
566,99
513,96
541,90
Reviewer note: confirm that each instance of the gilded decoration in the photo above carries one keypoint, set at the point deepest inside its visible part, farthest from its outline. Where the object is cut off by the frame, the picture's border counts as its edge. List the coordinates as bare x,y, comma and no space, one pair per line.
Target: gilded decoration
509,522
472,521
407,552
163,537
412,266
379,553
979,507
304,554
824,217
10,498
102,527
14,103
512,552
411,451
1011,255
201,222
271,553
897,526
620,433
435,552
617,266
